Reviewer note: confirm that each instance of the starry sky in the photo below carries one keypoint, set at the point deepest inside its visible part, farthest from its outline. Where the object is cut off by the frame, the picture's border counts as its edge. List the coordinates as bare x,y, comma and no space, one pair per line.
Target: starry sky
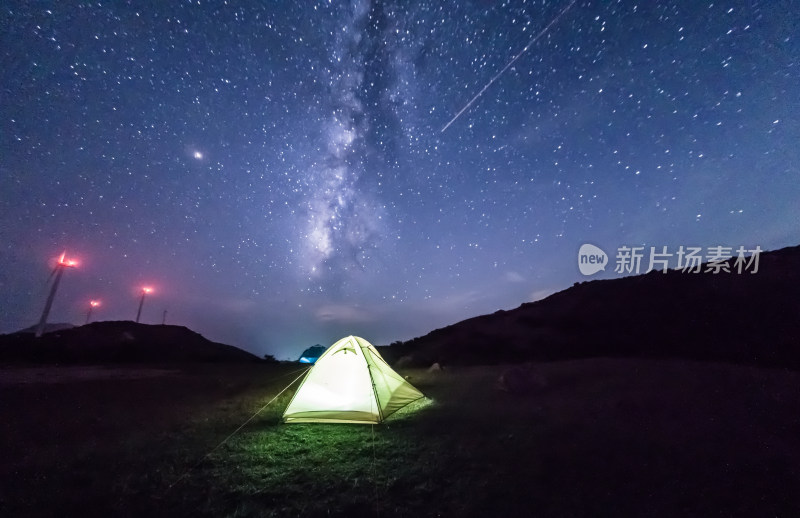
278,173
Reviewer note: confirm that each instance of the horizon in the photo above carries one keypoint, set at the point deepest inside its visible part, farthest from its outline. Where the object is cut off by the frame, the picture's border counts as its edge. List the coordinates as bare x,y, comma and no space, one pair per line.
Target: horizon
544,296
281,177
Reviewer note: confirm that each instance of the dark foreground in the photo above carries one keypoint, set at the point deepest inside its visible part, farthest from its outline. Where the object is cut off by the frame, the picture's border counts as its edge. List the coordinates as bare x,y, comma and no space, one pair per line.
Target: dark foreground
597,438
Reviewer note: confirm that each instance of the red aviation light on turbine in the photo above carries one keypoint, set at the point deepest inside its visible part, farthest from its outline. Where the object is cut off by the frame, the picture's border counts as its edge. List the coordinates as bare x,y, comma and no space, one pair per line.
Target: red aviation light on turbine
94,303
69,263
147,289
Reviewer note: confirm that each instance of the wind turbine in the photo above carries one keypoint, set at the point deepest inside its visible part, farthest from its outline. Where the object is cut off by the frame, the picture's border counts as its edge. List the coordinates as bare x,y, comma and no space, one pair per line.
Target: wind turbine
62,264
92,304
145,291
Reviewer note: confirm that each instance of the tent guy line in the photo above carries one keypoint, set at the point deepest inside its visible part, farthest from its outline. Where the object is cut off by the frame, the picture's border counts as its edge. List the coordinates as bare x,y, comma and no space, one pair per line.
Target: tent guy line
530,43
226,439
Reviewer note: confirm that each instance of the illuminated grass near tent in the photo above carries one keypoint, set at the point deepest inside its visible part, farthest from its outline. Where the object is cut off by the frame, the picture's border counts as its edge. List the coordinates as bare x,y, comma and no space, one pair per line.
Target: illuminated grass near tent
475,451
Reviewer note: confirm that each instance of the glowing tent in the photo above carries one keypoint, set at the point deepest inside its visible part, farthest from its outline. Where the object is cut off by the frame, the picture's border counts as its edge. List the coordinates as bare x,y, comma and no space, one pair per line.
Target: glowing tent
350,383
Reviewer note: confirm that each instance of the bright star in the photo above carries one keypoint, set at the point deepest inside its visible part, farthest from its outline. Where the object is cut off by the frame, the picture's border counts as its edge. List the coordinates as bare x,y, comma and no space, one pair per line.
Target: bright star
198,155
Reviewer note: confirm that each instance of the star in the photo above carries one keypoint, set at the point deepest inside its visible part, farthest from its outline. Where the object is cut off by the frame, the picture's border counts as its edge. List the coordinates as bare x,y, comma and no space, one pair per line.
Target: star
263,186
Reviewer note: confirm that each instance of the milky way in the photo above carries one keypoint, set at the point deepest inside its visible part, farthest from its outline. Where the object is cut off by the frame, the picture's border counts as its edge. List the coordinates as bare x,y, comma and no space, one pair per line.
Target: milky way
278,174
344,219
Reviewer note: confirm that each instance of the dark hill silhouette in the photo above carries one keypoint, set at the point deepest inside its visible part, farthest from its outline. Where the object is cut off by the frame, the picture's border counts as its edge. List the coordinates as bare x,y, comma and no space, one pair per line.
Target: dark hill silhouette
742,318
119,342
48,328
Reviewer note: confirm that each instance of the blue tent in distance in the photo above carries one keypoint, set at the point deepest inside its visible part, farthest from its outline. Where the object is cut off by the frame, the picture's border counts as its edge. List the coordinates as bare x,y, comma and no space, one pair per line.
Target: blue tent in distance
311,354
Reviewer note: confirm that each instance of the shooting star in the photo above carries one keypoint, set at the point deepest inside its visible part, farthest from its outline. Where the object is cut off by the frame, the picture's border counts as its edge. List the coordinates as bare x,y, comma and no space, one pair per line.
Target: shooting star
530,43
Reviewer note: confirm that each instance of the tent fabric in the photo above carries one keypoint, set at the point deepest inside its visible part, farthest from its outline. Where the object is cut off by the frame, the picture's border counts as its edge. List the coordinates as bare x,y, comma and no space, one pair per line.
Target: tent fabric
350,383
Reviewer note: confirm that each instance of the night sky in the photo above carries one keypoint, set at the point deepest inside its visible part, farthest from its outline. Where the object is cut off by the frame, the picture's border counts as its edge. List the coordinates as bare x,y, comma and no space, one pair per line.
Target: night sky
279,176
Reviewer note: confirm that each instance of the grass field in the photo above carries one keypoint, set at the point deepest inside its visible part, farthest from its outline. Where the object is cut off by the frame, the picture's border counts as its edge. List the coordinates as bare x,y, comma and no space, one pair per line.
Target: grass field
600,438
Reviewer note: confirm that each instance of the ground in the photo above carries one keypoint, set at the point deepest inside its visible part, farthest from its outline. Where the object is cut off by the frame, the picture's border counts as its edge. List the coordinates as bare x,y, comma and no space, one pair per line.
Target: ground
601,437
